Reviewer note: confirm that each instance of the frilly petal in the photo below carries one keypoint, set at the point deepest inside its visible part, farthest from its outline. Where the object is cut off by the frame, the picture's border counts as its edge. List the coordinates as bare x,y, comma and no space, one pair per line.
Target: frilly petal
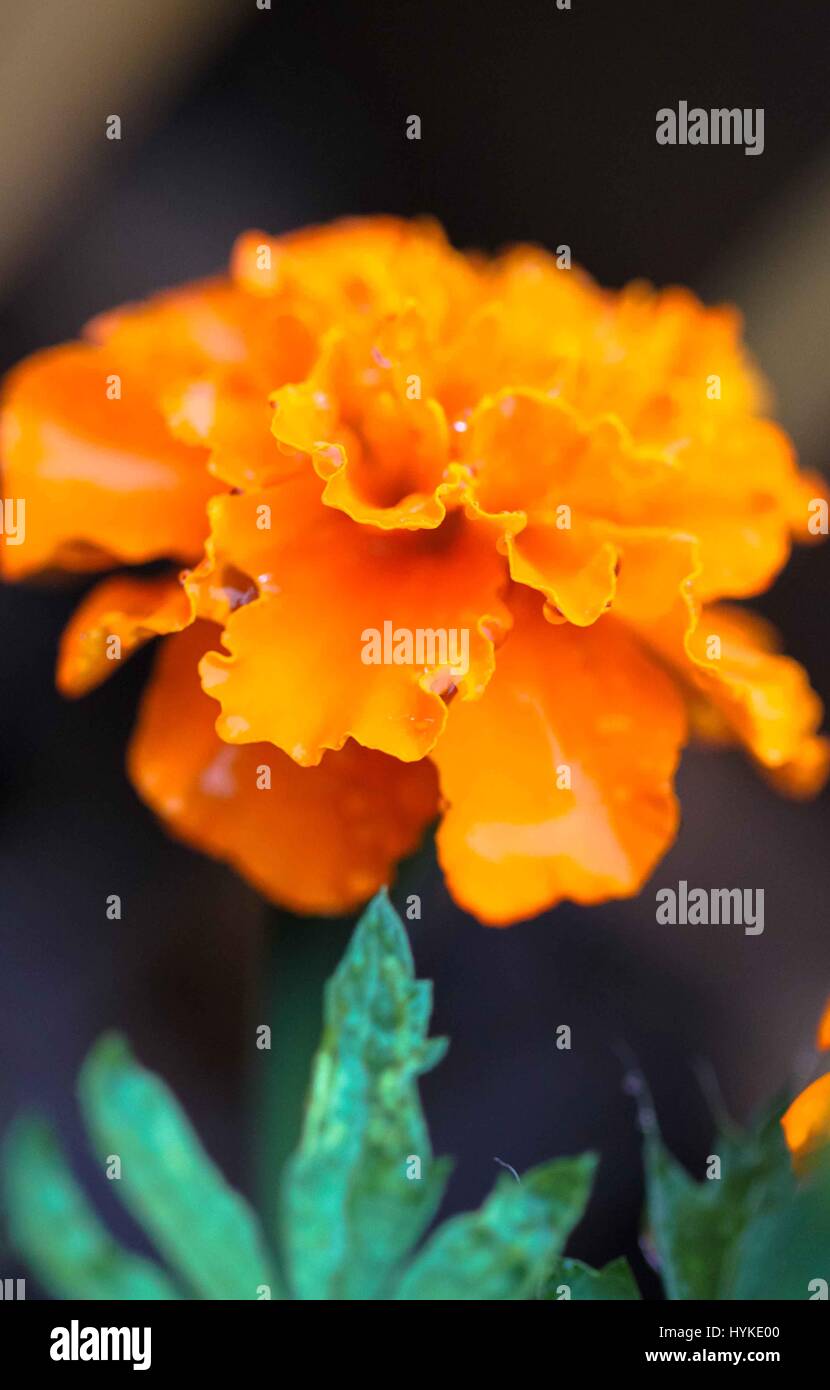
764,698
301,669
739,686
236,428
317,840
212,355
360,268
737,488
530,451
208,331
575,569
381,448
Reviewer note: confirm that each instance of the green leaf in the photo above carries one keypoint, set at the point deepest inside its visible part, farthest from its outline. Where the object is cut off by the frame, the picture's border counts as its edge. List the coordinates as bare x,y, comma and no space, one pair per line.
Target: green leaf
613,1283
504,1250
697,1227
203,1228
352,1207
784,1250
683,1222
55,1230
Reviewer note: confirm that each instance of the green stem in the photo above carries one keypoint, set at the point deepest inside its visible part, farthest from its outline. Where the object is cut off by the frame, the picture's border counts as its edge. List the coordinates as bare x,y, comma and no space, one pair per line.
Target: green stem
299,956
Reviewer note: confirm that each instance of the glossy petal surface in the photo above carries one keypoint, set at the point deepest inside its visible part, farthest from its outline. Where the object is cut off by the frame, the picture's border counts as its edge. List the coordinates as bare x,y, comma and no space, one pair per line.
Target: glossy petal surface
102,478
114,620
318,840
558,783
316,658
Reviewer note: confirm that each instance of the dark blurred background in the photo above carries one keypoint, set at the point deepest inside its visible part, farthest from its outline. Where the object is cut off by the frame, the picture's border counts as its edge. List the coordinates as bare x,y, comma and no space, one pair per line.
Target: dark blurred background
537,124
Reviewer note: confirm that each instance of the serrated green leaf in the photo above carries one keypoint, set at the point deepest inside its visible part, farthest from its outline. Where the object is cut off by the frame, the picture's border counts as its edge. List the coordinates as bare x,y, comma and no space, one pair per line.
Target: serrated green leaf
615,1282
696,1227
350,1211
203,1228
54,1229
504,1250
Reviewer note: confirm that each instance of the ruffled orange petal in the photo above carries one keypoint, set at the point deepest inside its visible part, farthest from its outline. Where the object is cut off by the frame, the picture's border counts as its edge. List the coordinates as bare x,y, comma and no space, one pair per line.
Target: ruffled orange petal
530,451
315,840
212,354
397,505
654,354
236,428
306,427
535,325
737,488
382,453
823,1033
112,622
740,555
765,699
211,330
658,569
576,569
740,689
328,650
806,1123
102,478
559,488
360,268
557,783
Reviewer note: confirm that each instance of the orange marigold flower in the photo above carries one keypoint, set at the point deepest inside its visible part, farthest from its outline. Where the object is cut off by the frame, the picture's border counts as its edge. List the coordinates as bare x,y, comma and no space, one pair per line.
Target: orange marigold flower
460,537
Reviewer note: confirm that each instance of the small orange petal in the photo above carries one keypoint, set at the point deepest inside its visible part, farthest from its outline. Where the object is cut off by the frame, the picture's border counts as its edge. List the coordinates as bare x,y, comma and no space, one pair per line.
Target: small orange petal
806,1123
823,1034
113,621
576,569
314,840
740,688
766,698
